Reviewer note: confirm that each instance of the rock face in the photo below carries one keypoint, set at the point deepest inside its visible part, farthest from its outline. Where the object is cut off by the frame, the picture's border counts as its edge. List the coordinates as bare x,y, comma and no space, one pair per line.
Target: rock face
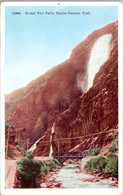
94,112
30,108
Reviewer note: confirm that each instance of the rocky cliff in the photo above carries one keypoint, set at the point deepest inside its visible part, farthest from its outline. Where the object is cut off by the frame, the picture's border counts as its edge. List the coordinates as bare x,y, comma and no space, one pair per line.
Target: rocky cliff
92,119
63,89
30,108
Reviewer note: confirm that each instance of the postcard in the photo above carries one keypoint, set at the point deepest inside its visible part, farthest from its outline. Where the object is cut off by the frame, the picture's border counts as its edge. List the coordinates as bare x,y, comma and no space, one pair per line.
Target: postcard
61,98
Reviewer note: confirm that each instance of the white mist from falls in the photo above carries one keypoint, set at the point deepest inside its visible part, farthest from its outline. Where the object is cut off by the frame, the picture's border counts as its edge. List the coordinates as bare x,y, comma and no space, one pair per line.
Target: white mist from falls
99,55
51,147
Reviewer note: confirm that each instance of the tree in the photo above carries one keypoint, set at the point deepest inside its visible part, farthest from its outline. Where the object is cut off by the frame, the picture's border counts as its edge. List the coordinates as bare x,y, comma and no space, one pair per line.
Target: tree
29,170
112,165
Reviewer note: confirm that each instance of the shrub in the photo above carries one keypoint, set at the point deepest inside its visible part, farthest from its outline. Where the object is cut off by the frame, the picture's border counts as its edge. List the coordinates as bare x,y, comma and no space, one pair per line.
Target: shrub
92,151
19,147
56,161
112,149
44,167
96,151
52,164
97,163
42,163
29,170
104,164
85,153
30,155
112,165
89,165
116,140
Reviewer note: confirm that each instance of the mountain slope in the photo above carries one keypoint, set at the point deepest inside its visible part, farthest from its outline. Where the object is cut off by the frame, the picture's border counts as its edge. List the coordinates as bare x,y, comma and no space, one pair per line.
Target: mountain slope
94,112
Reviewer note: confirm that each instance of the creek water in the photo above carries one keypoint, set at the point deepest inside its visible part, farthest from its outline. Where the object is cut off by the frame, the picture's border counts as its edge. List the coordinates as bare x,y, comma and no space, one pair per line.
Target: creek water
69,178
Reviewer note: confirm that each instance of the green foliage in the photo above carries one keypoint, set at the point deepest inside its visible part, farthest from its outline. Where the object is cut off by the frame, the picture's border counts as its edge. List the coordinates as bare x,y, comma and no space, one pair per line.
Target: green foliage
44,167
112,165
97,163
56,161
29,170
52,164
112,149
8,123
42,163
116,140
114,144
19,147
103,164
92,151
85,153
30,155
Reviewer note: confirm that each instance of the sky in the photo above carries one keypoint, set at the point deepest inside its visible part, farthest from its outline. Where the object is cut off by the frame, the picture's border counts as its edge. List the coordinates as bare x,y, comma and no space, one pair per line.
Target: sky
34,43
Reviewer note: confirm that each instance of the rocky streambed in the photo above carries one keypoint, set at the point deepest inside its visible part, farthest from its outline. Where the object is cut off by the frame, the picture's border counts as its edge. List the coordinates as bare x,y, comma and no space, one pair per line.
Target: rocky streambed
71,176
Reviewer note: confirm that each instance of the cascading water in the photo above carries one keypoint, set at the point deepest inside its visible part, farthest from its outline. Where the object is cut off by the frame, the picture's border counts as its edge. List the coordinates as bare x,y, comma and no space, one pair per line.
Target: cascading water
99,55
33,147
51,147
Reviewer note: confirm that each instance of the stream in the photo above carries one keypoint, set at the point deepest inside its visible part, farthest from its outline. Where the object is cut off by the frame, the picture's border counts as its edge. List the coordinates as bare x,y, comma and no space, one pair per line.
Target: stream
69,178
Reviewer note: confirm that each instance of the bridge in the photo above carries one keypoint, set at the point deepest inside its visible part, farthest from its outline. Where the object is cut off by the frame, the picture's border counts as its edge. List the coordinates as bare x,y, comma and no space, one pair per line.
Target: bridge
68,155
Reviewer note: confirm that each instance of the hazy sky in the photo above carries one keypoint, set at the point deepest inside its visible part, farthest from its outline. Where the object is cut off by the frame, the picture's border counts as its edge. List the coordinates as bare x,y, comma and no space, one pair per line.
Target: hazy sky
35,43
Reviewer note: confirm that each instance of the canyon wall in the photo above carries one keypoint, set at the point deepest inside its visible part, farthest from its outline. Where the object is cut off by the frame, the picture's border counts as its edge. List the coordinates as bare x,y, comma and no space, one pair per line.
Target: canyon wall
30,109
92,119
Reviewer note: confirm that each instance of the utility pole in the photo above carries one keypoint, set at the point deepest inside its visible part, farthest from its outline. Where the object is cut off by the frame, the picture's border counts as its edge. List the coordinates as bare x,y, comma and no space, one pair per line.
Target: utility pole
7,143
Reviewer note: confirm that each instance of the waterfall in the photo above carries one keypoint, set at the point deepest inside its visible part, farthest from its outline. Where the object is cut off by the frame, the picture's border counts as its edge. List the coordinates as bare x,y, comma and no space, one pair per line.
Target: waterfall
99,55
33,147
51,147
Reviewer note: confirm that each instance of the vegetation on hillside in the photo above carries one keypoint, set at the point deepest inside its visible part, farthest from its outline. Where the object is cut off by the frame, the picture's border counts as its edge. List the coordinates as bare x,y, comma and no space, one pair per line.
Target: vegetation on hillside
92,151
103,164
29,170
97,163
113,146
